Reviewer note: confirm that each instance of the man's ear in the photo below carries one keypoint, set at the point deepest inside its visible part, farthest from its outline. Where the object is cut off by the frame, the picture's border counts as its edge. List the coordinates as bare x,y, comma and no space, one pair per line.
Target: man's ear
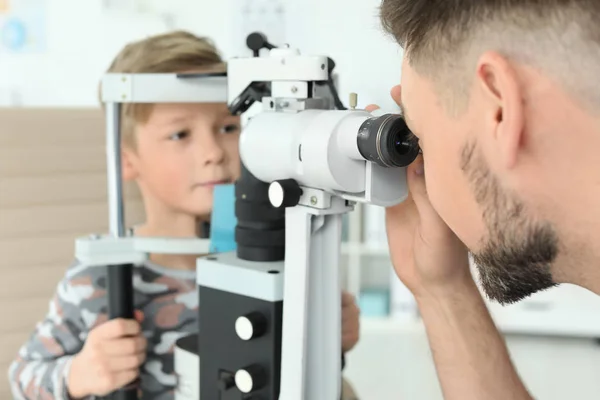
503,112
129,171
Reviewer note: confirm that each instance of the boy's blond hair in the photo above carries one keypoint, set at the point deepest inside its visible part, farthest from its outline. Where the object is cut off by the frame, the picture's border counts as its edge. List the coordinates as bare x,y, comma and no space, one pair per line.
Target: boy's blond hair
172,52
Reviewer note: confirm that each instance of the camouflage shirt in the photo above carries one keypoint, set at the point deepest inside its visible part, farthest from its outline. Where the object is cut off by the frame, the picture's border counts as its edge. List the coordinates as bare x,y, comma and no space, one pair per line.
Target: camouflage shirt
168,299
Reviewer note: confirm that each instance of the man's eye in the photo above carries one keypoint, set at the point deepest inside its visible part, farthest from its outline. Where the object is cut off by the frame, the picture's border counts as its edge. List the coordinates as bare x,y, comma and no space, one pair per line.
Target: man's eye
179,135
230,128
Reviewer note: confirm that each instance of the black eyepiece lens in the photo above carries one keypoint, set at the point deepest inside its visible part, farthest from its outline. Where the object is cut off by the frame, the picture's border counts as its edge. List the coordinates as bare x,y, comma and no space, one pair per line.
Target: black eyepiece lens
387,141
401,145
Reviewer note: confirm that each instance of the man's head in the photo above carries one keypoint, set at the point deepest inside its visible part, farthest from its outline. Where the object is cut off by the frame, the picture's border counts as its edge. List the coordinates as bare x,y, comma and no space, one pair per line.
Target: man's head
504,97
176,152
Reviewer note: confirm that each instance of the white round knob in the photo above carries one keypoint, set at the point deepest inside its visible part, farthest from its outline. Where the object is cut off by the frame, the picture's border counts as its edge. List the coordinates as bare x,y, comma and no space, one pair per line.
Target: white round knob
250,326
244,381
244,328
284,193
276,194
250,378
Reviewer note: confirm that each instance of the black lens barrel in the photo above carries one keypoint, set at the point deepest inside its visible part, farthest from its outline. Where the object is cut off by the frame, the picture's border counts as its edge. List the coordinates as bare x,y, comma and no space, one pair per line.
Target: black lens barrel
387,141
260,229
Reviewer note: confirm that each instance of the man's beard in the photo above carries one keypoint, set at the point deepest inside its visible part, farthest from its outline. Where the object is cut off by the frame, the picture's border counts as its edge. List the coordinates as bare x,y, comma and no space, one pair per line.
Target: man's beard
515,258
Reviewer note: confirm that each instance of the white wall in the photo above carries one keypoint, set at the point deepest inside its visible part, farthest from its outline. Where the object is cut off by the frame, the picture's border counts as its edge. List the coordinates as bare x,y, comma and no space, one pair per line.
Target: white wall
368,62
394,361
82,38
81,41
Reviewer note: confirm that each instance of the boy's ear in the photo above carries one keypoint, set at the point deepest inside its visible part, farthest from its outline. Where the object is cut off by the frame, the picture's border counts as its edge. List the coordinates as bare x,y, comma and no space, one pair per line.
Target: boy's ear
128,169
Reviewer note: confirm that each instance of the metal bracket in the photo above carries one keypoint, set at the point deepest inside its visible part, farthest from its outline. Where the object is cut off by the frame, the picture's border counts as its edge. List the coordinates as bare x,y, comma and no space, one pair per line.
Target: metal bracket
164,88
324,203
99,251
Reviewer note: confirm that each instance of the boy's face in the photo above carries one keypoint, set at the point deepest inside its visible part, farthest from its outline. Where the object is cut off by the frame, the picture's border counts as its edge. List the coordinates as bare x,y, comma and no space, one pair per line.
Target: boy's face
182,152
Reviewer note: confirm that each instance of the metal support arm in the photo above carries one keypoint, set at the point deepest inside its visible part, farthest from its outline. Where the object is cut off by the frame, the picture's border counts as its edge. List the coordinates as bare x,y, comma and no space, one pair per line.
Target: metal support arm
311,345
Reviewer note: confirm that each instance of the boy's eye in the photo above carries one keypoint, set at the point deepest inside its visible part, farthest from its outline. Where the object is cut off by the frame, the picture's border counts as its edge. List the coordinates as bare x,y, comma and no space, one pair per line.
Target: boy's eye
230,128
179,135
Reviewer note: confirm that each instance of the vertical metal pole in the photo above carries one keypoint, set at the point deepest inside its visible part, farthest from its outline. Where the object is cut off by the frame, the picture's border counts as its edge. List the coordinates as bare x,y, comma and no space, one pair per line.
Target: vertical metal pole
324,355
296,291
355,243
113,169
311,360
119,277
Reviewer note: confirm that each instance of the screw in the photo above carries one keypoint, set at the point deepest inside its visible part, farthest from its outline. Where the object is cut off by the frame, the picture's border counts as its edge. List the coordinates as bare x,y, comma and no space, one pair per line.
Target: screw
294,89
124,79
313,200
124,96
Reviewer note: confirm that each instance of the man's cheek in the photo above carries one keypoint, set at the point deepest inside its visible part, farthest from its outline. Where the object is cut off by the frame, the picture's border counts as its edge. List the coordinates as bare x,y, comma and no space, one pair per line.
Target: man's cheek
432,184
439,191
434,199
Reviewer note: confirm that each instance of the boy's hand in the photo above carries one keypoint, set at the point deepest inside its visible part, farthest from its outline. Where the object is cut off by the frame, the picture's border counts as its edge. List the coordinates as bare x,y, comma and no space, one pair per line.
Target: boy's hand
350,322
110,359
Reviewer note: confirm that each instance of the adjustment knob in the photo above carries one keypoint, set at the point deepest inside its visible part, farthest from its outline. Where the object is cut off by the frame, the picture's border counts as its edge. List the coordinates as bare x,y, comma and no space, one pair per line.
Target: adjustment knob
284,193
250,378
251,326
257,41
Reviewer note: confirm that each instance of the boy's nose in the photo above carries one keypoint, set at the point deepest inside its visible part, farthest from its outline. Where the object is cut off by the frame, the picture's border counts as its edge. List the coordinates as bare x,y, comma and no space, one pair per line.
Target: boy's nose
211,151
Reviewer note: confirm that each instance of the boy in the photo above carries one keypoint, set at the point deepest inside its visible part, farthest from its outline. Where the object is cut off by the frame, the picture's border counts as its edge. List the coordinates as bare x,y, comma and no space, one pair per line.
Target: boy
176,153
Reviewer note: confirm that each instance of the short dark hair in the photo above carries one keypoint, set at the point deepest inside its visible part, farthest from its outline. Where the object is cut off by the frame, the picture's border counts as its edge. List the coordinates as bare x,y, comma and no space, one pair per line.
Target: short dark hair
441,33
418,24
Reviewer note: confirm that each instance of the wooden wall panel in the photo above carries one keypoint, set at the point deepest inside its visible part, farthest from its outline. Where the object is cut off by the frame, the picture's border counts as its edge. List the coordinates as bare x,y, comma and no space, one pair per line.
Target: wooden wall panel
52,159
37,279
23,311
52,190
36,251
54,219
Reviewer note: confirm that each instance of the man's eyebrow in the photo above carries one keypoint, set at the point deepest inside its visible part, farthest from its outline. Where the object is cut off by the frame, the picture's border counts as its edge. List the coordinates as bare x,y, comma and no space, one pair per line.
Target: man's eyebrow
404,114
407,121
403,110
